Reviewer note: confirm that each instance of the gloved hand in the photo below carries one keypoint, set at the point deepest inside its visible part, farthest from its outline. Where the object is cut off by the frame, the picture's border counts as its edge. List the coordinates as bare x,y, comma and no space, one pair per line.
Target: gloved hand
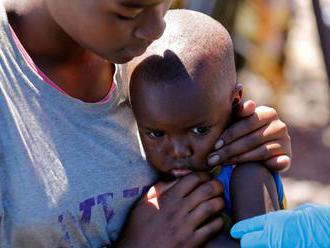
305,226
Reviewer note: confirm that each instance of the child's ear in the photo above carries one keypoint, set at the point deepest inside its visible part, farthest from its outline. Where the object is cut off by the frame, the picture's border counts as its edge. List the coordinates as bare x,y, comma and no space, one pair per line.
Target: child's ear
237,98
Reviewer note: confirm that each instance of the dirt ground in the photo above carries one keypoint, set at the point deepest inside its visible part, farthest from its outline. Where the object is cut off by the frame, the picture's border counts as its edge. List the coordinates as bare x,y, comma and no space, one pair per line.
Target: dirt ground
309,178
304,105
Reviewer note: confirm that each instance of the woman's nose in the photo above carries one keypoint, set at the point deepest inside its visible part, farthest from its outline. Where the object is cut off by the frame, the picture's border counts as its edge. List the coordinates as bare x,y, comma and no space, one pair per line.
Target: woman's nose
152,25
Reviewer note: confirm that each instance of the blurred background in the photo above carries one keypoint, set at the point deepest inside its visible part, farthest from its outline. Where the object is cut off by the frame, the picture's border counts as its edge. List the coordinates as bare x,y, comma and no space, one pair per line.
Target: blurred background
283,60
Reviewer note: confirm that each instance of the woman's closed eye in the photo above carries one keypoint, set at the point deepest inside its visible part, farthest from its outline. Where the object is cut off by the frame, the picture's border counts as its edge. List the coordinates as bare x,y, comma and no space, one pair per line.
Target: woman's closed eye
128,15
125,17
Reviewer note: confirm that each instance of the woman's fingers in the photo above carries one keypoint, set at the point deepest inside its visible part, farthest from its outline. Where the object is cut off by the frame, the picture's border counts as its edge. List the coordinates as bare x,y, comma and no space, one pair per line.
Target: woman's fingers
246,109
156,191
271,154
205,211
169,193
268,141
207,231
204,192
175,189
260,153
159,189
261,117
259,136
187,184
278,163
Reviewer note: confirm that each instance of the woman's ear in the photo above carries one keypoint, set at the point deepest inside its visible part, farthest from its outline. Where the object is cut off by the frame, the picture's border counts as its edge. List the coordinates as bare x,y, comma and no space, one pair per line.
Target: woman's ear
237,98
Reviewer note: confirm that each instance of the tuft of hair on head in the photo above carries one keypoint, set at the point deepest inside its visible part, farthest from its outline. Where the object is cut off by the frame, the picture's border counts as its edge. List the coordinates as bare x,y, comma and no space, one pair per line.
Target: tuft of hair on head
196,40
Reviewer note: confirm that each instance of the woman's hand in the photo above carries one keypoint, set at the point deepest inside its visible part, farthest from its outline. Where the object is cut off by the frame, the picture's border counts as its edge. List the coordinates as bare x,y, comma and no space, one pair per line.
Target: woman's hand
257,135
181,216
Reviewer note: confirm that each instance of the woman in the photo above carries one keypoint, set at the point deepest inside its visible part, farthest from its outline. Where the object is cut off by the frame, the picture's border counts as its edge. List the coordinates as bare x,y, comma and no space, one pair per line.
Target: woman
70,163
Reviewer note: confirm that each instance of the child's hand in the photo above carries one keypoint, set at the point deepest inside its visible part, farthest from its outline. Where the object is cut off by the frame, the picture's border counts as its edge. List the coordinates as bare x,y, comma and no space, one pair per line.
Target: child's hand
182,218
257,135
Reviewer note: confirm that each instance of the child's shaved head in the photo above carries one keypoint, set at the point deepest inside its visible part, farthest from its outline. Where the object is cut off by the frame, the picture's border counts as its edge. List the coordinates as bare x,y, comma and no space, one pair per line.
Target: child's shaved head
192,44
182,90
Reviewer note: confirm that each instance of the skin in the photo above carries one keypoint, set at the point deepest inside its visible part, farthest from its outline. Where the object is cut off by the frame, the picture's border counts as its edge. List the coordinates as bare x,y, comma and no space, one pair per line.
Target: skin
252,197
76,57
178,131
183,98
179,124
260,185
75,44
178,227
180,115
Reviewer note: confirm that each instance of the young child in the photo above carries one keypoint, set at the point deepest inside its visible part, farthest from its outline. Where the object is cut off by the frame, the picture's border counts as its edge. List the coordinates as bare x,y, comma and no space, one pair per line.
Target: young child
183,93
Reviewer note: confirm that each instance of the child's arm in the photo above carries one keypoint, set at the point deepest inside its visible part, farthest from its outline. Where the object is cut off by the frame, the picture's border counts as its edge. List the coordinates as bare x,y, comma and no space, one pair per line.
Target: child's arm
253,192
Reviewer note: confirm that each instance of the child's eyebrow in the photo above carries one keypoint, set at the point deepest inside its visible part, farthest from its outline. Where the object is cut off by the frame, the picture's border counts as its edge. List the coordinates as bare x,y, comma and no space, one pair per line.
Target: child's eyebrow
199,124
151,128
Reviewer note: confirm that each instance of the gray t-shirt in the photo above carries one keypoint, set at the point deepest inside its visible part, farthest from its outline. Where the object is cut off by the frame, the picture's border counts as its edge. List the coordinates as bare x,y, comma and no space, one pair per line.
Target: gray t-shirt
69,170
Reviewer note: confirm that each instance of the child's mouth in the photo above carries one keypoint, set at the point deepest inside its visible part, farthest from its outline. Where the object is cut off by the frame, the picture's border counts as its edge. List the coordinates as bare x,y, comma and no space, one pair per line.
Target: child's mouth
180,172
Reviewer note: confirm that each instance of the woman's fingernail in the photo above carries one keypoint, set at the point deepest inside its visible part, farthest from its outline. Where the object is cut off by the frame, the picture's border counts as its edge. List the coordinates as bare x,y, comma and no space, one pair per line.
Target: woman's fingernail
214,159
219,144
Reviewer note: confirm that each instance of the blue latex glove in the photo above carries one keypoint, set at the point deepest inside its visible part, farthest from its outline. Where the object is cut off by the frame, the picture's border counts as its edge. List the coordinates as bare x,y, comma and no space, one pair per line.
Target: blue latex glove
305,226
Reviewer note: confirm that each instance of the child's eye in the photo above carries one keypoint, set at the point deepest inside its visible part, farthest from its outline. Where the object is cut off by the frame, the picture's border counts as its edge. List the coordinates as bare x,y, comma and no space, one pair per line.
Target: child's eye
201,130
155,134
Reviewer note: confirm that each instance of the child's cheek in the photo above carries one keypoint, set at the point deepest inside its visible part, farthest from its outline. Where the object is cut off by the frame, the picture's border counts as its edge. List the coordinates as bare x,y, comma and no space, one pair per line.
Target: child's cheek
156,156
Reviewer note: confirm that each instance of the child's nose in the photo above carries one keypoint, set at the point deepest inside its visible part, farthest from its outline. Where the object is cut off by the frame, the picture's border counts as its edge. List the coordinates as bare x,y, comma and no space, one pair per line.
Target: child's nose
181,149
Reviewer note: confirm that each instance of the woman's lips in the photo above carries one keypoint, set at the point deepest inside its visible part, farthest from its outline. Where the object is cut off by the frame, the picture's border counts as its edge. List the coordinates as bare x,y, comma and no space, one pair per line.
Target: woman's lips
137,51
